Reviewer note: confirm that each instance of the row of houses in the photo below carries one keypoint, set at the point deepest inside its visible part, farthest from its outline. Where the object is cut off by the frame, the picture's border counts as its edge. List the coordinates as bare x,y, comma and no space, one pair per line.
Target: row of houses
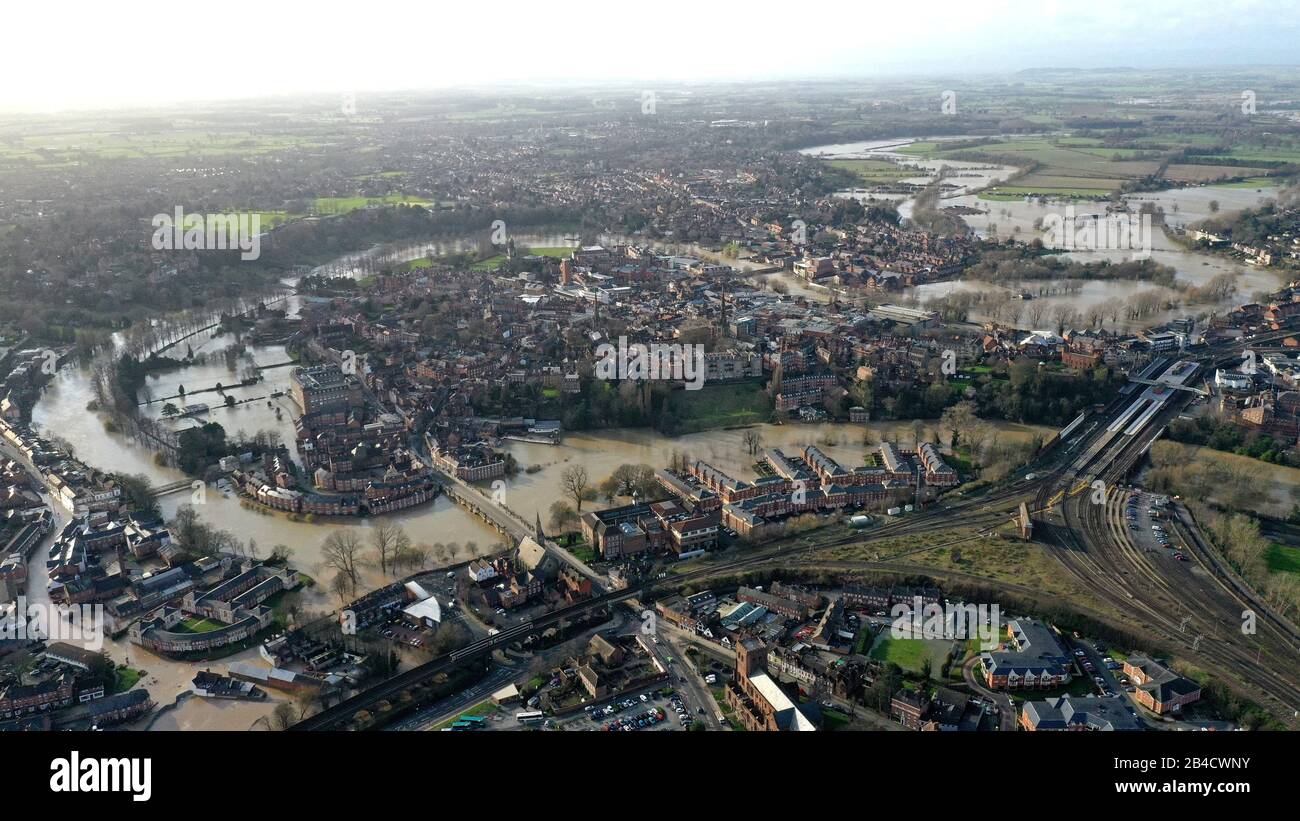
73,485
228,613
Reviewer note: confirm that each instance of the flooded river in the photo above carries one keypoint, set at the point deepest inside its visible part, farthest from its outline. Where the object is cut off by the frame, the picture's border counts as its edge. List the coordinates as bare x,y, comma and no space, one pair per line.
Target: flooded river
1022,220
63,412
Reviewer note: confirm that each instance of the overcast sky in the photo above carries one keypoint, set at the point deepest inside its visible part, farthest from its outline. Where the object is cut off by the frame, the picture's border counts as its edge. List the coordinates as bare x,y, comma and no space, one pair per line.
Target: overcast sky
91,53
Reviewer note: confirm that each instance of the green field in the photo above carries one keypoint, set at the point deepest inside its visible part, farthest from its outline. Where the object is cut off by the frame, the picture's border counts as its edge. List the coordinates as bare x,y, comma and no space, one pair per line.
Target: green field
58,149
124,678
1018,192
1086,168
555,252
489,264
1268,154
199,625
272,219
1283,559
584,553
875,172
722,406
343,205
495,262
833,720
910,653
923,148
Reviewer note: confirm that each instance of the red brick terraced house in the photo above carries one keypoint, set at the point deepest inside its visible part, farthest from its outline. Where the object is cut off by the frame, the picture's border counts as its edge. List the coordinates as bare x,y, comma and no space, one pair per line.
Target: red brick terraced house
1158,688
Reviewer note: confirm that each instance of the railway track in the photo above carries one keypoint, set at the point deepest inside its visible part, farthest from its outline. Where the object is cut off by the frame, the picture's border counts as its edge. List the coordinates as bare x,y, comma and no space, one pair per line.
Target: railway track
989,508
1103,560
1195,613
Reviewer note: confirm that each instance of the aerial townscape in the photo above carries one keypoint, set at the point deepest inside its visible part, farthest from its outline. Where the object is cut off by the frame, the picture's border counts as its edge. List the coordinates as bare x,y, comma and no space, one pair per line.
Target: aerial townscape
964,399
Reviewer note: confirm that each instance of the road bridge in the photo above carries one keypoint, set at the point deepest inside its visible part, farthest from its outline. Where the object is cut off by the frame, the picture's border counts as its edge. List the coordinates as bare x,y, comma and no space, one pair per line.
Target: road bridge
506,521
1159,384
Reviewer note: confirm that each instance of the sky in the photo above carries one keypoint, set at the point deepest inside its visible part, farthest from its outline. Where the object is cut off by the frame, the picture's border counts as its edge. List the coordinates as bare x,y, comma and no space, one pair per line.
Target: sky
93,54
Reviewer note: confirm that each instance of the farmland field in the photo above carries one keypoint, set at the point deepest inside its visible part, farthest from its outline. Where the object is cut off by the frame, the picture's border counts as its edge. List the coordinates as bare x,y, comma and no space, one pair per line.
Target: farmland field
874,171
1208,173
1084,167
342,205
64,147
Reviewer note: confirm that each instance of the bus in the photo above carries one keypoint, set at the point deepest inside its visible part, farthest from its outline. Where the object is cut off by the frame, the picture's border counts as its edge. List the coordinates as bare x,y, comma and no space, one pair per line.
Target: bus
529,717
473,721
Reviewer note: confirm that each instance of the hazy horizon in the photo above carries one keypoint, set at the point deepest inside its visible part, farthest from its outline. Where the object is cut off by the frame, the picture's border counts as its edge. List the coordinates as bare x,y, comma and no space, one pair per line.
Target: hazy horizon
106,57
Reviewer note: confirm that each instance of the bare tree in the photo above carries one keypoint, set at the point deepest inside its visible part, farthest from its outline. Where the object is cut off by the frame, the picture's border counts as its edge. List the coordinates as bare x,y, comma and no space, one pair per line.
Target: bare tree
283,716
576,484
958,420
563,516
1035,312
1065,317
341,586
389,540
341,551
416,557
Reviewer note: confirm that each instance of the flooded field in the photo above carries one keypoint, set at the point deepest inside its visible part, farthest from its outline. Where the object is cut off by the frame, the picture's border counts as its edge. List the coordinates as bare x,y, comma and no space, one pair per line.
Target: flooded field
962,176
1022,220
